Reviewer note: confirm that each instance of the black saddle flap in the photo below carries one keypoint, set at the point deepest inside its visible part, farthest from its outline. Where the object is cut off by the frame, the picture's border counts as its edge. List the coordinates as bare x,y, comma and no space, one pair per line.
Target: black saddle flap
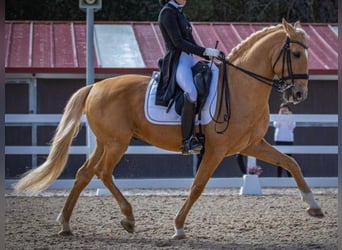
202,78
202,74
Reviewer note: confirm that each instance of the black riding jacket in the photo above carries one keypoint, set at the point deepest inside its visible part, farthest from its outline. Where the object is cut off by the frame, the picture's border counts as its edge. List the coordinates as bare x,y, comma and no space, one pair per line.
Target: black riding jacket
177,33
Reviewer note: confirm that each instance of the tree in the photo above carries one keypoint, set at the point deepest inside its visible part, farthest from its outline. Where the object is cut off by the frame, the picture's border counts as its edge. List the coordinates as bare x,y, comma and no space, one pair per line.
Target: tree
204,10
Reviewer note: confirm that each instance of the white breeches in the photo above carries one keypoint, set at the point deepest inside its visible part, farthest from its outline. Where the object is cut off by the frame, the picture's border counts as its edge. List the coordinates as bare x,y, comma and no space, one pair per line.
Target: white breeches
184,75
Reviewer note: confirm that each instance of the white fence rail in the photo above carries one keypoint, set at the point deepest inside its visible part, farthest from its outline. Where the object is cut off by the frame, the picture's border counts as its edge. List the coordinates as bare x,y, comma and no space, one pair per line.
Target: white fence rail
301,121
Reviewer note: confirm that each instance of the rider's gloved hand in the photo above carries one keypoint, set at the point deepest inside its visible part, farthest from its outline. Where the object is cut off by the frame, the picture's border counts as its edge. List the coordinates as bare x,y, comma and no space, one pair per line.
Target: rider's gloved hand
222,56
211,52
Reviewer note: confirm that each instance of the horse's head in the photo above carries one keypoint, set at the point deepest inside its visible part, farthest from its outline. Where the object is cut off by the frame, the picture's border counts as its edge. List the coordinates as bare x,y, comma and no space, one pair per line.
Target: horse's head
291,64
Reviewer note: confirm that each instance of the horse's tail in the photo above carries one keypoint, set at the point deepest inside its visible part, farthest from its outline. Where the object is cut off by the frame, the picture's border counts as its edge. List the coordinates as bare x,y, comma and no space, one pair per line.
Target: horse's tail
38,179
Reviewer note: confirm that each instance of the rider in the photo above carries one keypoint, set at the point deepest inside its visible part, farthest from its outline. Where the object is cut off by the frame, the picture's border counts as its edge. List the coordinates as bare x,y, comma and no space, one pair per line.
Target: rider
176,67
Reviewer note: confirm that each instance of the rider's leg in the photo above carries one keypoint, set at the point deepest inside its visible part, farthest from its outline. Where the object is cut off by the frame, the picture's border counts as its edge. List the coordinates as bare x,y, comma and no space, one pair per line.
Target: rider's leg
191,144
184,75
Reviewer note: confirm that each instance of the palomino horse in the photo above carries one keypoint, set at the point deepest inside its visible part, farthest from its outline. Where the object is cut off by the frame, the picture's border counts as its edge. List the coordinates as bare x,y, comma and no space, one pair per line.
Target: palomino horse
115,111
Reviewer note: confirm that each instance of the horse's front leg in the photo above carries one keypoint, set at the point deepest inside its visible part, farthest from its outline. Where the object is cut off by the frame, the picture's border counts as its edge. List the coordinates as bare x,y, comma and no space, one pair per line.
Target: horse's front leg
265,152
207,167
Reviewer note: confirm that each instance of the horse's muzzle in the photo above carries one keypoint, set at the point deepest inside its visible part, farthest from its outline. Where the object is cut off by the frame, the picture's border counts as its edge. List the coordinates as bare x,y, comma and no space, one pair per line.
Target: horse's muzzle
296,94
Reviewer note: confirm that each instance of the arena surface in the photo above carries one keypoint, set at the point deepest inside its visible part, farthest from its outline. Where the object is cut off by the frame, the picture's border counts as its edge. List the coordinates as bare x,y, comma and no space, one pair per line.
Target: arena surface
221,219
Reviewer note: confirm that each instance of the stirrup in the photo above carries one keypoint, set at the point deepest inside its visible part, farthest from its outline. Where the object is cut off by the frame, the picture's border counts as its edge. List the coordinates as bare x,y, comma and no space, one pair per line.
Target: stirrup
192,146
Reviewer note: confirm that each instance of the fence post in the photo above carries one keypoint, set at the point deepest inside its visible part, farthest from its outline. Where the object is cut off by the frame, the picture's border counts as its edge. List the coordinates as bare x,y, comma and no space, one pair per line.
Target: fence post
250,182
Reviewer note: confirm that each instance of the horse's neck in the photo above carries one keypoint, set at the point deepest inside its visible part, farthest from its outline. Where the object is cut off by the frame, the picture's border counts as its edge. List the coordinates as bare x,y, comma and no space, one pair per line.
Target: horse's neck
257,59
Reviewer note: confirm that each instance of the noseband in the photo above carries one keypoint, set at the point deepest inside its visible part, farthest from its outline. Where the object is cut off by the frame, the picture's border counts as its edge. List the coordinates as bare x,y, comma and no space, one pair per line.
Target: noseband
281,85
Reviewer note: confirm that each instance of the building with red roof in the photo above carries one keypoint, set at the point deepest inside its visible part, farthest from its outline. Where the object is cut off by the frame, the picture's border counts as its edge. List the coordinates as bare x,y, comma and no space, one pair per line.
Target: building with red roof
59,47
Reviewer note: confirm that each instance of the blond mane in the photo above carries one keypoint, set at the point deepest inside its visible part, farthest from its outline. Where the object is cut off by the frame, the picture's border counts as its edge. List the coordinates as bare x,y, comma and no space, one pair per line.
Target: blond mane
251,39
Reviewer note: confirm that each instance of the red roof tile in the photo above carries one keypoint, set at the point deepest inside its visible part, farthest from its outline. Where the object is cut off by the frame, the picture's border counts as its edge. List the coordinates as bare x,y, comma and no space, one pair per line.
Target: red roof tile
53,47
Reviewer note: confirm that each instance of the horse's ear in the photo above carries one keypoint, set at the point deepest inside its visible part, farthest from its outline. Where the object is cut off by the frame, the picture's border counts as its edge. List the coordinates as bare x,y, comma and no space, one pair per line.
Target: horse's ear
297,25
289,29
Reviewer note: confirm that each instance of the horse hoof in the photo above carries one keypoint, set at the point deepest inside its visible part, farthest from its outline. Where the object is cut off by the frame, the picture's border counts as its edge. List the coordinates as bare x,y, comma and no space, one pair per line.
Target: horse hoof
315,212
178,237
128,225
65,233
179,234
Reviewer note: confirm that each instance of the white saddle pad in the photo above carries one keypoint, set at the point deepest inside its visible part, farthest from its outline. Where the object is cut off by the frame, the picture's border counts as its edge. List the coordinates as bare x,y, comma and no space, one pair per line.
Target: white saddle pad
157,114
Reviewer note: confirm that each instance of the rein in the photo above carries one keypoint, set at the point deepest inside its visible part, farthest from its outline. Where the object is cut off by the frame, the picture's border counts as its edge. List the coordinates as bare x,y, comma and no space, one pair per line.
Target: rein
280,85
224,92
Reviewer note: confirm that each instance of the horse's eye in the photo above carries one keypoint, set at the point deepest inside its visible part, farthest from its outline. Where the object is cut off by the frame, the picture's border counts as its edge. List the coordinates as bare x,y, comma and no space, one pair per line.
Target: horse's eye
296,54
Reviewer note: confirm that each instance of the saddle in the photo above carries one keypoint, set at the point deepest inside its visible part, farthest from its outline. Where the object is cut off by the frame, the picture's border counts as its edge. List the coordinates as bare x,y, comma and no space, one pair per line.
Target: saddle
159,114
202,75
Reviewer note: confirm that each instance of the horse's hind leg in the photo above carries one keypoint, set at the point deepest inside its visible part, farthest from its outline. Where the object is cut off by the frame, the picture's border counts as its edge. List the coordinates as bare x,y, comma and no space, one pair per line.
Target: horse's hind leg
265,152
83,177
113,154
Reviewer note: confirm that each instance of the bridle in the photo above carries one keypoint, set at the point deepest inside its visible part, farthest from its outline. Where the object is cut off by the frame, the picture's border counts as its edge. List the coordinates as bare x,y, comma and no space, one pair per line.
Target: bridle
281,85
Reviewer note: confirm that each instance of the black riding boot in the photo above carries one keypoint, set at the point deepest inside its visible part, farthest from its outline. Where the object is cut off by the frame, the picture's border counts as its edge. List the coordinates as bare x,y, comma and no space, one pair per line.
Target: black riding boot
191,144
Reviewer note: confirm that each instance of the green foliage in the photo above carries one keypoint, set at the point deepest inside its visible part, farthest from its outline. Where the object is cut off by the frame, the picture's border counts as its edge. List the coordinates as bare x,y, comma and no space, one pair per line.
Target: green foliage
128,10
200,10
43,10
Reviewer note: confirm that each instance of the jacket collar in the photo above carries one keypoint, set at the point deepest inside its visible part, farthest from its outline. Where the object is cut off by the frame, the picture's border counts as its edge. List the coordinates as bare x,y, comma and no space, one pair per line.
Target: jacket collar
175,5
